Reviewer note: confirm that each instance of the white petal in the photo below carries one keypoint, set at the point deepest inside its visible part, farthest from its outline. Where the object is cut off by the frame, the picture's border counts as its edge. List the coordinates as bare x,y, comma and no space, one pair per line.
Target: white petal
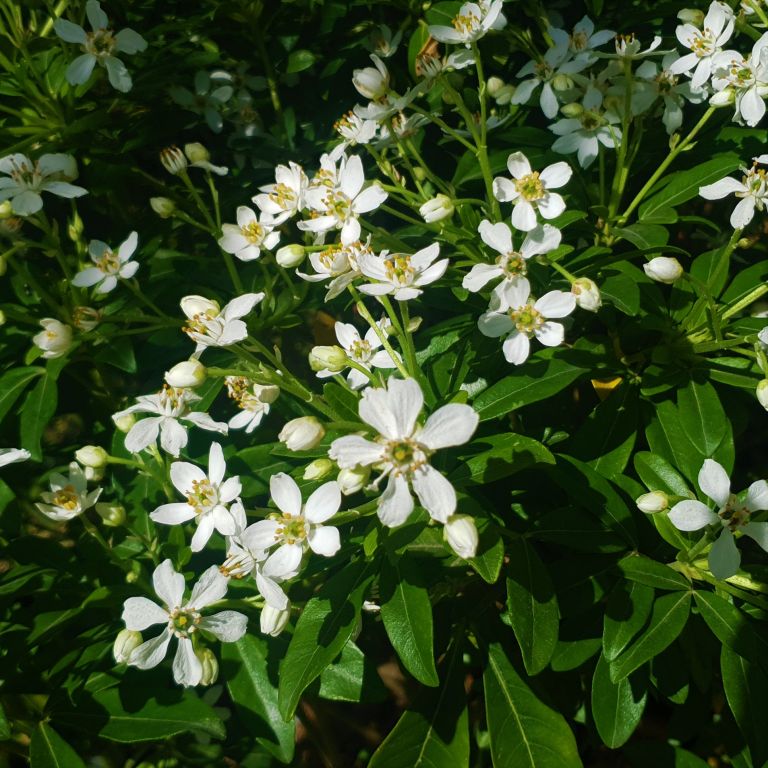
152,652
216,464
550,334
69,32
518,165
227,626
172,514
223,521
453,424
724,557
691,515
497,236
229,490
435,493
324,503
187,669
743,213
204,530
324,540
758,532
140,613
169,585
261,535
271,592
556,175
720,189
495,324
714,482
523,216
210,587
352,450
757,496
551,206
173,437
183,474
396,503
516,348
285,493
504,190
284,563
479,276
142,434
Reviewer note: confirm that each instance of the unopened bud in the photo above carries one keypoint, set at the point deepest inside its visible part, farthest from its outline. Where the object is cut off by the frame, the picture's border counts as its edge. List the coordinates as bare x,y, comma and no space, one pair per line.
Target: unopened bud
3,265
2,317
173,160
272,621
124,421
190,373
290,256
574,109
493,86
655,501
353,480
691,16
587,294
744,242
762,393
438,208
371,82
86,318
210,665
663,269
332,358
318,469
93,474
561,82
461,534
196,152
6,209
723,98
92,456
113,515
302,434
162,206
504,96
125,643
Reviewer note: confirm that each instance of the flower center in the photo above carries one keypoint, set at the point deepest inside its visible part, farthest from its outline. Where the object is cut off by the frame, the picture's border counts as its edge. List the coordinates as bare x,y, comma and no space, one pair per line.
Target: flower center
531,186
202,496
734,514
171,398
405,456
66,498
591,121
292,529
579,41
100,43
237,565
399,269
283,196
109,263
466,24
527,319
183,622
338,205
702,43
201,323
361,350
512,264
756,183
253,232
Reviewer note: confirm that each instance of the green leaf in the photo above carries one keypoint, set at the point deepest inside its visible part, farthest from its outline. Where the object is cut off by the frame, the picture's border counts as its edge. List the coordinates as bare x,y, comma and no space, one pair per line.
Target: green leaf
39,407
746,688
407,615
344,402
711,268
300,60
659,475
48,750
5,726
655,754
13,383
254,693
322,631
508,453
490,551
524,731
435,732
352,677
653,574
125,714
626,613
703,419
542,379
669,616
617,707
684,185
645,236
623,292
531,606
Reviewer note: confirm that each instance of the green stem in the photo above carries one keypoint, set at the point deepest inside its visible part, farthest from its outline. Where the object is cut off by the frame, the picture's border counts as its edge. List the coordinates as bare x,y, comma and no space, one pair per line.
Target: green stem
482,142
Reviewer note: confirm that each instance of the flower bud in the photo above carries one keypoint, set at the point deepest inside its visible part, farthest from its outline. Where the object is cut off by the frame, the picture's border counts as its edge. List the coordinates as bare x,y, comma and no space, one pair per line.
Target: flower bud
6,209
691,16
113,515
493,86
302,434
196,152
162,206
663,269
2,317
290,256
318,469
438,208
272,622
371,82
353,480
267,393
573,109
762,393
655,501
124,421
587,294
190,373
92,456
723,98
173,160
504,96
210,665
332,359
86,318
125,642
199,305
3,265
561,82
93,474
461,534
55,340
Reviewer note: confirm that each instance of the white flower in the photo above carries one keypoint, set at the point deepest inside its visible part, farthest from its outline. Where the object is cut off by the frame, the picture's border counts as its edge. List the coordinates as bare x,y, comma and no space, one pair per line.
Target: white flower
302,434
703,43
354,130
27,179
518,318
100,47
365,351
169,407
583,40
733,515
251,233
585,133
55,339
339,263
210,326
664,269
353,480
13,455
339,205
207,498
403,449
199,157
629,47
383,42
69,496
529,190
182,620
272,621
372,82
188,373
461,534
761,392
253,400
748,79
438,208
401,274
285,197
109,265
752,189
650,503
587,294
510,263
86,318
473,21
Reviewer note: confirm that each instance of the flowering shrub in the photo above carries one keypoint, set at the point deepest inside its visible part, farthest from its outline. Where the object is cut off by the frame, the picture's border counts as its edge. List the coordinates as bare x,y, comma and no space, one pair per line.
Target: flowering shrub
412,392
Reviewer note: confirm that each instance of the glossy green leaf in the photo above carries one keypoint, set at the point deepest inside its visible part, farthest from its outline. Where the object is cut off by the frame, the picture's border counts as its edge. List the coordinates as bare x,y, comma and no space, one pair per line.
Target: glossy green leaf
703,419
524,731
39,407
531,605
652,573
659,475
300,60
48,750
251,677
626,613
322,631
352,677
407,615
645,236
13,383
503,455
617,707
669,616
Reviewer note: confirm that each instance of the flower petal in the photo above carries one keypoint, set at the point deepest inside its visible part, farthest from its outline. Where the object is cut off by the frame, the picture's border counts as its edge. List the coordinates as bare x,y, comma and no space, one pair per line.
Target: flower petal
183,474
210,587
140,613
757,496
691,515
724,557
227,626
285,493
216,464
152,652
435,493
168,584
714,482
187,669
324,540
453,424
516,348
172,514
353,450
324,503
396,503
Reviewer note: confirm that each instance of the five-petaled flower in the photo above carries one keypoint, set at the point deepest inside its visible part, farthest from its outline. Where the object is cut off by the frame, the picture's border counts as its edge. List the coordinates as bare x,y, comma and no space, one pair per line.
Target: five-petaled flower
110,265
401,274
26,179
251,233
211,326
68,496
752,189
